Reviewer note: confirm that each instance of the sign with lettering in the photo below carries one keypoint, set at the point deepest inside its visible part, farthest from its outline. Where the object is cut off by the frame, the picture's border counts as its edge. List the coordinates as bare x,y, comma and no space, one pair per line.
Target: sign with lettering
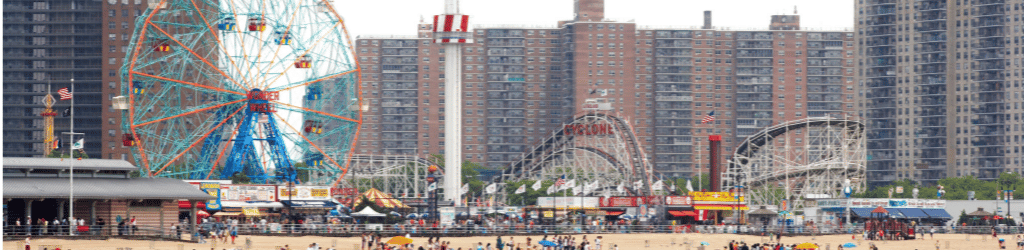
679,201
589,129
304,193
248,193
214,190
714,196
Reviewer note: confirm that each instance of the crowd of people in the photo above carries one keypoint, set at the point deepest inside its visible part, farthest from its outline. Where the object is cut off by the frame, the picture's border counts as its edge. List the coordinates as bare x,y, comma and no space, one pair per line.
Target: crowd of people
64,226
374,241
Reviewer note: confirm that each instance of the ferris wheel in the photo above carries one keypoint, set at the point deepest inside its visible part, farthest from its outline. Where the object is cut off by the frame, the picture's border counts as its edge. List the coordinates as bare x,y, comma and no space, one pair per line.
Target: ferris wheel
268,89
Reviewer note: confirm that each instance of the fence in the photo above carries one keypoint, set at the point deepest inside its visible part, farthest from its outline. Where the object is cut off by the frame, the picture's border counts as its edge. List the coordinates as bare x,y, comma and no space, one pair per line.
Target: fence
343,230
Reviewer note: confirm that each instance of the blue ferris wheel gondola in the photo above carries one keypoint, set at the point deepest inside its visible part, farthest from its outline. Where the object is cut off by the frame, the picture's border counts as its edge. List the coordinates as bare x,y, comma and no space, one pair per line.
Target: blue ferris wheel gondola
228,24
281,37
313,93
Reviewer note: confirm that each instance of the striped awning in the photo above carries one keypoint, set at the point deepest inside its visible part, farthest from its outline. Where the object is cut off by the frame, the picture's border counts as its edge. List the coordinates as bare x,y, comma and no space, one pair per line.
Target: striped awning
381,199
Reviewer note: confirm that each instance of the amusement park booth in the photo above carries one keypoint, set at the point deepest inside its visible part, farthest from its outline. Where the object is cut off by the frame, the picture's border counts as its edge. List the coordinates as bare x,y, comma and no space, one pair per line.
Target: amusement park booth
922,211
104,194
709,205
249,201
306,199
552,209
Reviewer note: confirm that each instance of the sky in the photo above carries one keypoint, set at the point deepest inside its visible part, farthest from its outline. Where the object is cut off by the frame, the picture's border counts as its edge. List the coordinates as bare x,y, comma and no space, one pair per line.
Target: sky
400,17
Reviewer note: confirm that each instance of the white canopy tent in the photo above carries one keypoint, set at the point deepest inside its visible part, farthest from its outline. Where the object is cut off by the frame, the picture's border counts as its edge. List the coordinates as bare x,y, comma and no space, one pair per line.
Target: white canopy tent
367,212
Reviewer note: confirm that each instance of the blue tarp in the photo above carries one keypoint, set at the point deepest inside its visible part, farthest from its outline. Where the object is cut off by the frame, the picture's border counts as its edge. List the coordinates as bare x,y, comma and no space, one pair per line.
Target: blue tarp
936,213
913,213
862,212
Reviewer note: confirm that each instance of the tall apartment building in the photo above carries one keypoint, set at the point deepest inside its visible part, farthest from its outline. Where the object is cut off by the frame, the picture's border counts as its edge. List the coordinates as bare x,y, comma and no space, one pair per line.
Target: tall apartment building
940,87
49,43
522,83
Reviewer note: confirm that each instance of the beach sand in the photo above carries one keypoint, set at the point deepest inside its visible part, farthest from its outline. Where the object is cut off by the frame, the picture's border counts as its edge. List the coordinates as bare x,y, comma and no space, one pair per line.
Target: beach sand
624,241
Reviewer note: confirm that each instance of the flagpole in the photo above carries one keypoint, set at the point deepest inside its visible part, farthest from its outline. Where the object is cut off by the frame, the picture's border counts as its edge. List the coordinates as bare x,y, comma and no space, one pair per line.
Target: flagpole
71,162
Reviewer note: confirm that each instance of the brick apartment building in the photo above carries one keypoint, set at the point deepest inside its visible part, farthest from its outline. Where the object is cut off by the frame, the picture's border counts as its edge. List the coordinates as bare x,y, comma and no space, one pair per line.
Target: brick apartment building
522,83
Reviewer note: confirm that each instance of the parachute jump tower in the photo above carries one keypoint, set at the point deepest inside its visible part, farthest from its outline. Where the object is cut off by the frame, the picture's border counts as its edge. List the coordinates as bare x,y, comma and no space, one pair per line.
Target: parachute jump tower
452,30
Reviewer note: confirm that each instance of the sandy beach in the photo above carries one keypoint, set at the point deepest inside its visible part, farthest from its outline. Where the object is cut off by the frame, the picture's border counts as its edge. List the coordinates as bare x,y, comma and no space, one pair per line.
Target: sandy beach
624,241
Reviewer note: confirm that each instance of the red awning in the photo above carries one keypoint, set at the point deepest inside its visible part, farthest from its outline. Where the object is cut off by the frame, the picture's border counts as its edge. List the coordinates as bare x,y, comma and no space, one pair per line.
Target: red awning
186,205
879,210
683,213
614,213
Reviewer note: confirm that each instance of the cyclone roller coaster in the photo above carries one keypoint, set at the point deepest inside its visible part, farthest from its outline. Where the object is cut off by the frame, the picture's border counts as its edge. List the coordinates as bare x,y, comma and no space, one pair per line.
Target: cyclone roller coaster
797,160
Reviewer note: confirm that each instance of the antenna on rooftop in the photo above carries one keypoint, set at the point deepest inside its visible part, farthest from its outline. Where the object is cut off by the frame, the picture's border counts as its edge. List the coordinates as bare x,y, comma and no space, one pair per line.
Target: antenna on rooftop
794,9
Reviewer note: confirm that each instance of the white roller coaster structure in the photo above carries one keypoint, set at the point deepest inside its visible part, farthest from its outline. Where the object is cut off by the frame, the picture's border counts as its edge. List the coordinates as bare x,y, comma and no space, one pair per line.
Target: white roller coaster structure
797,160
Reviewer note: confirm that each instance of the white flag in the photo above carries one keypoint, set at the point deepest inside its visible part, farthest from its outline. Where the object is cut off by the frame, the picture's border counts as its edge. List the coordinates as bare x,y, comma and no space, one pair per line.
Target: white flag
577,190
621,188
569,184
689,187
521,189
551,189
492,188
587,189
537,185
465,188
672,188
431,187
639,184
607,193
80,144
594,185
658,186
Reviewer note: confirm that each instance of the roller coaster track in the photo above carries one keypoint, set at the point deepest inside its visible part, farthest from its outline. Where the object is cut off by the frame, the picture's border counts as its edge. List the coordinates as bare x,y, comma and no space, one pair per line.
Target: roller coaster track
562,143
828,152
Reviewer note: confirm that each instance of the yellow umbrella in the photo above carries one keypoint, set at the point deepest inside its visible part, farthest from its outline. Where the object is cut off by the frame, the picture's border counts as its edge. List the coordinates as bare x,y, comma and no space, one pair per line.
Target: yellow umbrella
399,240
810,246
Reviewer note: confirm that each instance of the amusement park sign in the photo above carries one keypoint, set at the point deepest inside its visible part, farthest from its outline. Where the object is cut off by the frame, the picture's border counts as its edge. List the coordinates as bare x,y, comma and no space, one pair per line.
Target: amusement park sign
714,196
589,129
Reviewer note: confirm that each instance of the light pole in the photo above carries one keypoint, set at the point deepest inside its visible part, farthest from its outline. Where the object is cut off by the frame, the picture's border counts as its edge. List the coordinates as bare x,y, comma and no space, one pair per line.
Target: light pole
847,190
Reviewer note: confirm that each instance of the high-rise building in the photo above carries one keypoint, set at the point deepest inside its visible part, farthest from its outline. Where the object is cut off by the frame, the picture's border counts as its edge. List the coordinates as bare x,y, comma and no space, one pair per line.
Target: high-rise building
46,45
522,83
939,84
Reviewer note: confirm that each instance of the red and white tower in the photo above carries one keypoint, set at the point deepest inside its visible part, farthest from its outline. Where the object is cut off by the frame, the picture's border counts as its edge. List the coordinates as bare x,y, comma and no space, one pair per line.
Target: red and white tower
452,30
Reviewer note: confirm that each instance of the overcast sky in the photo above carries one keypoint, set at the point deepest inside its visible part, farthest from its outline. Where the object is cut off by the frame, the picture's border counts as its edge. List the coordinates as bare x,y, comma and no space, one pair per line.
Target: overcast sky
399,17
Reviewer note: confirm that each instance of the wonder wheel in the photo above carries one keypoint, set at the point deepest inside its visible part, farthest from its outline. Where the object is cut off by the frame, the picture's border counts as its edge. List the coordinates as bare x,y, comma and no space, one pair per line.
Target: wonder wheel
268,89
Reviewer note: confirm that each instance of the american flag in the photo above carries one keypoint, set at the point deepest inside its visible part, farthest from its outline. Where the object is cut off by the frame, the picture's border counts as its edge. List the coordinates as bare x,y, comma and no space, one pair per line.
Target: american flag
64,94
561,181
708,118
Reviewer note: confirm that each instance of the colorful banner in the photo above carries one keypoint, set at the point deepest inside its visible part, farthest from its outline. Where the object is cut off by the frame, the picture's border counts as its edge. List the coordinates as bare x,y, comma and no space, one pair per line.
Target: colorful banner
714,196
248,193
679,201
214,190
304,193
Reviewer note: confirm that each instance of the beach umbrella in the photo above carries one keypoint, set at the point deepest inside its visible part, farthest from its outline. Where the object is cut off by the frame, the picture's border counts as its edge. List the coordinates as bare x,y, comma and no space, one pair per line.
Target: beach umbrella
626,217
808,246
849,245
705,243
396,214
412,216
399,240
547,243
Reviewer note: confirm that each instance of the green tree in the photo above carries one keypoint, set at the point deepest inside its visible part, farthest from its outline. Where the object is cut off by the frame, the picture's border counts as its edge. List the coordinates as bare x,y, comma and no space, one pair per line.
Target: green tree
240,178
530,196
470,173
699,182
